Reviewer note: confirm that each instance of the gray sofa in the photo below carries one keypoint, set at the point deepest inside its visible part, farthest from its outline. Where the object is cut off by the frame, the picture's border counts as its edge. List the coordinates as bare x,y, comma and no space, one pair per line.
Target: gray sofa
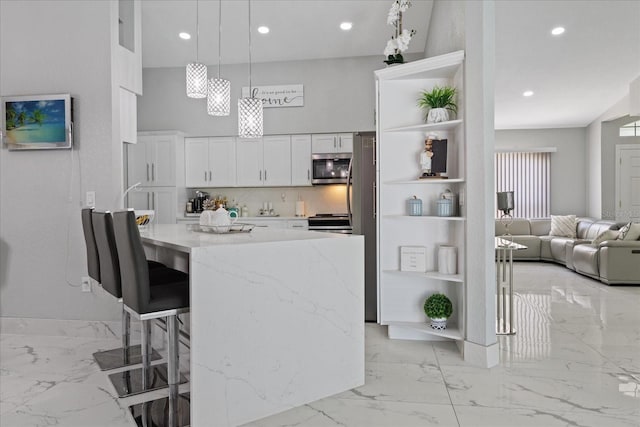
612,261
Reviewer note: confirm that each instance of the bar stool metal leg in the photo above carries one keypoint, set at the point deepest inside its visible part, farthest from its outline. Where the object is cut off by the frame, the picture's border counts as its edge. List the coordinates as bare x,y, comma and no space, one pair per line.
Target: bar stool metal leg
173,370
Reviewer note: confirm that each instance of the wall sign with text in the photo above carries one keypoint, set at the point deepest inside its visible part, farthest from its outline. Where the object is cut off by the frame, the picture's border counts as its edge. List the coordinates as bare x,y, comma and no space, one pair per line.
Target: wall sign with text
277,96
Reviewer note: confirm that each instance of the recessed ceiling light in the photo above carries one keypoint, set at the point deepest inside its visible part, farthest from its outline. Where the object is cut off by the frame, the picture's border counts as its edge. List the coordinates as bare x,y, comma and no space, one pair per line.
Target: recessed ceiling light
346,26
557,31
527,93
263,30
184,36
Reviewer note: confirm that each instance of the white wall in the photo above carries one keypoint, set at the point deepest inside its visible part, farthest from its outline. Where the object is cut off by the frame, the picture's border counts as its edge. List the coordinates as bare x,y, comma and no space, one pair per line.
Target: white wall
49,47
600,153
568,170
338,97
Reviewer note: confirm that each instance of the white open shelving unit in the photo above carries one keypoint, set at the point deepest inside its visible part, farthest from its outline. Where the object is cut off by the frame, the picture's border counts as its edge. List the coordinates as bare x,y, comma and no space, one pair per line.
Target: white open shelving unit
401,134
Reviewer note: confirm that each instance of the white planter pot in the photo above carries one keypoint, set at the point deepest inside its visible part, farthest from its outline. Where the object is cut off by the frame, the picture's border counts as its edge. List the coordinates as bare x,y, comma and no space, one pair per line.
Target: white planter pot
439,324
437,115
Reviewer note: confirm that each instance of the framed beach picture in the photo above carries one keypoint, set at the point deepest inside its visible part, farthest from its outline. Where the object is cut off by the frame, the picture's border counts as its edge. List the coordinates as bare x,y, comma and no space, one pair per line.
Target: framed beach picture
39,122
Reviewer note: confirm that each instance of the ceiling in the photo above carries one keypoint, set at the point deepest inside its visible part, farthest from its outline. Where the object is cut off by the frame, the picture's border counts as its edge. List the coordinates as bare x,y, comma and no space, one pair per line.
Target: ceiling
575,77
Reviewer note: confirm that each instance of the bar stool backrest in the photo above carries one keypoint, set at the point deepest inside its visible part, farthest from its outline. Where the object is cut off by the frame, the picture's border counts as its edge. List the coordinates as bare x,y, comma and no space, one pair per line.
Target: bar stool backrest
93,261
134,270
107,252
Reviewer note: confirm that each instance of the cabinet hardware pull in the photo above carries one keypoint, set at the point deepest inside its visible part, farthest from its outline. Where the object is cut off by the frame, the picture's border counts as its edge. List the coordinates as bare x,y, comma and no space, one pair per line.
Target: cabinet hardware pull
260,175
374,200
153,201
635,251
308,174
147,171
340,141
209,175
153,171
205,175
334,142
265,174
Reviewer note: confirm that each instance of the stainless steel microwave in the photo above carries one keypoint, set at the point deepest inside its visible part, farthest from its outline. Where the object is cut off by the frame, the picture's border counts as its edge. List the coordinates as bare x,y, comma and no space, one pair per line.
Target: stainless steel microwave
330,168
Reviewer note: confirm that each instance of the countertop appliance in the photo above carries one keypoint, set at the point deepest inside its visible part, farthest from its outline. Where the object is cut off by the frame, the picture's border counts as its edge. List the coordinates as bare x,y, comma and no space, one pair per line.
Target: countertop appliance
361,208
330,168
330,223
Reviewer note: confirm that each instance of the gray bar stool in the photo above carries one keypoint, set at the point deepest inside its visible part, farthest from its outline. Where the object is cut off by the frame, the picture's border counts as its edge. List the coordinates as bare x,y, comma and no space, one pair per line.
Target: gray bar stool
125,355
167,298
128,382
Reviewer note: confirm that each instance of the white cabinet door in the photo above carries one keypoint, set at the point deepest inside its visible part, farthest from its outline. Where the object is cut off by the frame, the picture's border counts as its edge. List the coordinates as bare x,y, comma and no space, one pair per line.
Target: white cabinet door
345,143
196,162
277,160
300,160
324,143
222,162
128,117
152,161
164,204
249,162
161,200
163,165
138,169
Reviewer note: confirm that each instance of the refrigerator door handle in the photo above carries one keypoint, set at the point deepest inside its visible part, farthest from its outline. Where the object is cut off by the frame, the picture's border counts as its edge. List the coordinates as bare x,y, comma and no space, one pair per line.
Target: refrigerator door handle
349,213
374,199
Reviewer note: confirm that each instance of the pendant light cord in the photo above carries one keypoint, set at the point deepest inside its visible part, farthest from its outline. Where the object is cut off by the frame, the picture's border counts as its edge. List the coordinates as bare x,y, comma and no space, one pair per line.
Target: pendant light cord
250,91
197,29
219,35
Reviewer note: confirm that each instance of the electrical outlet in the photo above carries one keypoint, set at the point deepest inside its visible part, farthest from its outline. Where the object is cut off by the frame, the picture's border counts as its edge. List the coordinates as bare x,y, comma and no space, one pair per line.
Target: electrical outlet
90,198
86,284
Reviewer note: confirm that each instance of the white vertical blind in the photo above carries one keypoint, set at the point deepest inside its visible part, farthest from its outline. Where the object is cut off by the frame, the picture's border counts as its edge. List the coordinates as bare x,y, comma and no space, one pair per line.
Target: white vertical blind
528,175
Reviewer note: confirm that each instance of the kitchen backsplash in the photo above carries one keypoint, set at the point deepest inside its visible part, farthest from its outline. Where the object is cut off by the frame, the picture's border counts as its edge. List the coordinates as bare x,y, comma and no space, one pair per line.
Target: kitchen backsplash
317,199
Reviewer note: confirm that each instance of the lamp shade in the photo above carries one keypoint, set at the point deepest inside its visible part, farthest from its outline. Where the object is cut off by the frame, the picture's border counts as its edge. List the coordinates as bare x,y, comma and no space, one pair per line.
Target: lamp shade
196,80
218,97
505,201
250,117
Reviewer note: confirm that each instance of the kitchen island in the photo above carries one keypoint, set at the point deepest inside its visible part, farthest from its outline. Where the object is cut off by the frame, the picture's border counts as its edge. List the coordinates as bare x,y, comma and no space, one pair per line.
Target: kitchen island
276,317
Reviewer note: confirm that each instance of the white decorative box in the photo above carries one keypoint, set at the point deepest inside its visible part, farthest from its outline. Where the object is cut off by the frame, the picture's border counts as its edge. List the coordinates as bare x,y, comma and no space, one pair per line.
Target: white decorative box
413,258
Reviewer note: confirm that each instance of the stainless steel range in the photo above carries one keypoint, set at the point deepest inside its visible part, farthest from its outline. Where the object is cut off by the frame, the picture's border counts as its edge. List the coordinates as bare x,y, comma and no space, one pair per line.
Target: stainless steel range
330,223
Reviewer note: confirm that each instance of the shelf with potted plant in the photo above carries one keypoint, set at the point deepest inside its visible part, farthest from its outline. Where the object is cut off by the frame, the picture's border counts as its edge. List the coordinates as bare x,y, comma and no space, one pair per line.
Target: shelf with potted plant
452,332
425,127
457,278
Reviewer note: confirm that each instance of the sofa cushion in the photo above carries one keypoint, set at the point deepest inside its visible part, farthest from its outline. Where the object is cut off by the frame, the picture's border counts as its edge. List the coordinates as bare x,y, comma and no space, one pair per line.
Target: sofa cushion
606,235
540,227
563,226
558,248
598,227
585,259
630,231
583,225
519,226
545,248
532,252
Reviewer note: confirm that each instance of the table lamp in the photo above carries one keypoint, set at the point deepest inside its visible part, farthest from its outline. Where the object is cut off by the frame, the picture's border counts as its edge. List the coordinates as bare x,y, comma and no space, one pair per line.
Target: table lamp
506,205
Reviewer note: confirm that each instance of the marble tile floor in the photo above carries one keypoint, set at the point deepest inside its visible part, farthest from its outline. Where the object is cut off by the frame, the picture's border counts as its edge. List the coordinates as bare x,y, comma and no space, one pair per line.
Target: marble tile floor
575,361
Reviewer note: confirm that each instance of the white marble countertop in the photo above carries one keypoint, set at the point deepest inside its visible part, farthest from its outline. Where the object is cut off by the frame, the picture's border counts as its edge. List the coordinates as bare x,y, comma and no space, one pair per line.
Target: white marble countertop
195,216
183,238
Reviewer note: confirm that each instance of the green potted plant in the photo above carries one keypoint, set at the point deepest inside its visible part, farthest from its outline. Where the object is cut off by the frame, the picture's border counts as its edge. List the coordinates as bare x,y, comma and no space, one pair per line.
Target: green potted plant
438,102
438,308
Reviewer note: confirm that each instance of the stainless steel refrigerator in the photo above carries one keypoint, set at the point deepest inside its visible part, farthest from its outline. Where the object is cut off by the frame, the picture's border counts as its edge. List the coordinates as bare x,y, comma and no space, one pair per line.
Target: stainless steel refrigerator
361,201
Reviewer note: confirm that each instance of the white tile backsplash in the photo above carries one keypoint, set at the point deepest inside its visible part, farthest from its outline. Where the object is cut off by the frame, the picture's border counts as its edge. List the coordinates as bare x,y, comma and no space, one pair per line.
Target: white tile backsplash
317,199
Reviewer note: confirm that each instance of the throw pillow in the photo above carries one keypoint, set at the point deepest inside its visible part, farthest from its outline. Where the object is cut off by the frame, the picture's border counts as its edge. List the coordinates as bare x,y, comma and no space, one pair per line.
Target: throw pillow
563,226
631,231
606,235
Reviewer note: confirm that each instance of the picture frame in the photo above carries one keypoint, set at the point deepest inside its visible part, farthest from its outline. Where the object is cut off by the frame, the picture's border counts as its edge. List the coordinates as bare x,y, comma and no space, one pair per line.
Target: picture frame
37,122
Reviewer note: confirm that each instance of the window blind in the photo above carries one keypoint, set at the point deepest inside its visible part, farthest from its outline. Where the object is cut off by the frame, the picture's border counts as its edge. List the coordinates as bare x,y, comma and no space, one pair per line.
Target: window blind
528,175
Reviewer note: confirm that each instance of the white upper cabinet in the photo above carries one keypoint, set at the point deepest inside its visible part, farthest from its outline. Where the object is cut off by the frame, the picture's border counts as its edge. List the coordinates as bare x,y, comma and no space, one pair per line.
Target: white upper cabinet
152,161
332,143
210,162
300,160
263,161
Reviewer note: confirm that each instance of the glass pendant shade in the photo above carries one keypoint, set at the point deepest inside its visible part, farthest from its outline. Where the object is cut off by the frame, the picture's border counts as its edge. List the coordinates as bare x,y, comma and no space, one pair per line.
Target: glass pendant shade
218,97
250,117
196,80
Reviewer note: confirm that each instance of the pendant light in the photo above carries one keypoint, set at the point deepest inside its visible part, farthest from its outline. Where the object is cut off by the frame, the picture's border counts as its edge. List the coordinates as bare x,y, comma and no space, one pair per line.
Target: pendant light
196,71
218,89
250,117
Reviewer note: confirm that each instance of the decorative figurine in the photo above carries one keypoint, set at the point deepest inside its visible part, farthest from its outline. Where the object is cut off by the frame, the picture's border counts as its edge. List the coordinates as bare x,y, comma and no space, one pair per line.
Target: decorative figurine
433,159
